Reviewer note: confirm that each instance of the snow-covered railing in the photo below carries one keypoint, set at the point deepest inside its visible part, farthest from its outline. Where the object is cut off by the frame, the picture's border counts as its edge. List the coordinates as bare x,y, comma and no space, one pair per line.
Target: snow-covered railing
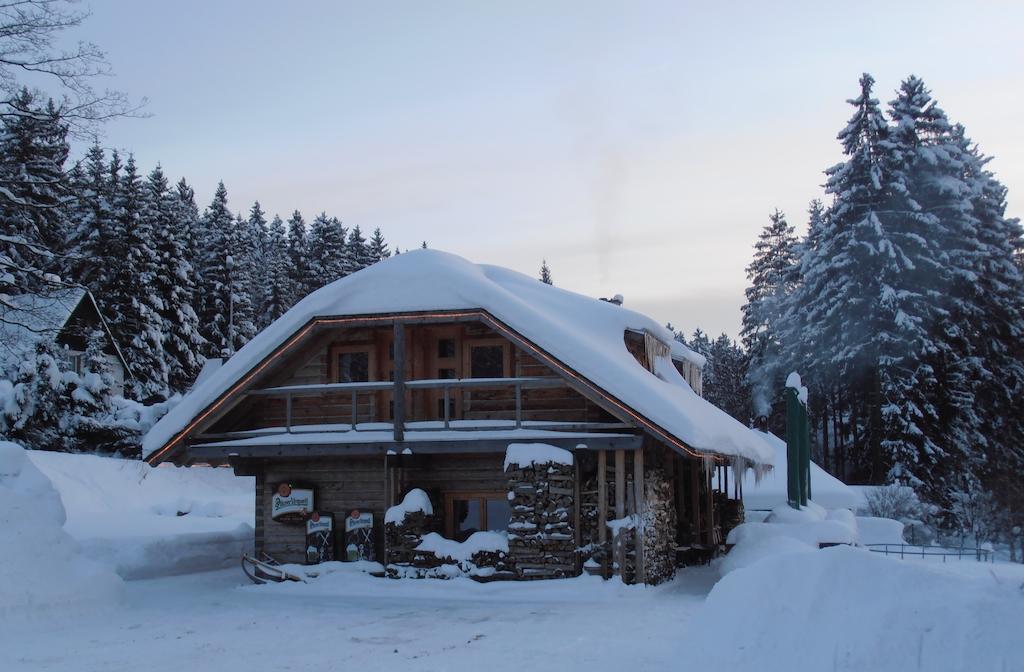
444,384
910,551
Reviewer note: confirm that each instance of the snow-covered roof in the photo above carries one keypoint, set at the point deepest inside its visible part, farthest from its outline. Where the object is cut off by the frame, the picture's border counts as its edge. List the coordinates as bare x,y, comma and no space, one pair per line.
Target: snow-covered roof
681,351
25,318
584,334
826,490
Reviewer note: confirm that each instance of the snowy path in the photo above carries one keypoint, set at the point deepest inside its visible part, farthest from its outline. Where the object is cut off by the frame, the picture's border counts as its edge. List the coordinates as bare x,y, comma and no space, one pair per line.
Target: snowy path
216,621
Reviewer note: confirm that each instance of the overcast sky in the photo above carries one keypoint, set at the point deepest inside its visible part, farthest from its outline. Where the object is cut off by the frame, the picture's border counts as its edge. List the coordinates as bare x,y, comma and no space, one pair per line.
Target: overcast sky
639,147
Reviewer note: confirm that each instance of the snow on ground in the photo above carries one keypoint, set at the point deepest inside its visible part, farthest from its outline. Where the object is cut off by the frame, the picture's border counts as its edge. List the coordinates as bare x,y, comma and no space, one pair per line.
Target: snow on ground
351,621
846,608
41,567
127,514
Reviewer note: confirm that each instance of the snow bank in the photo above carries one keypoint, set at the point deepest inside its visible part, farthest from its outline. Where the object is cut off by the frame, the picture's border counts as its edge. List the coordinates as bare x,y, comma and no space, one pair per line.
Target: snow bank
805,528
415,500
41,566
530,454
584,333
845,608
147,521
874,530
478,542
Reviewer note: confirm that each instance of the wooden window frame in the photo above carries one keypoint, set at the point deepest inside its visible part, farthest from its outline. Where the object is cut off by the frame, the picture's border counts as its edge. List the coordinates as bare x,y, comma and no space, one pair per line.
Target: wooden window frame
369,348
483,496
467,354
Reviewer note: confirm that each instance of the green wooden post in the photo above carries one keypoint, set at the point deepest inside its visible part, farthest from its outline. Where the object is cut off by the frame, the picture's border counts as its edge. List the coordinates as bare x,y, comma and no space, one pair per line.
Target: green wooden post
805,455
793,407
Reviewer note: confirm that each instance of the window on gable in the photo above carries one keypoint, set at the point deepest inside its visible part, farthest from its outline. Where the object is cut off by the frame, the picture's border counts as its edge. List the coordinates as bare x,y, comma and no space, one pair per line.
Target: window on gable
354,367
487,361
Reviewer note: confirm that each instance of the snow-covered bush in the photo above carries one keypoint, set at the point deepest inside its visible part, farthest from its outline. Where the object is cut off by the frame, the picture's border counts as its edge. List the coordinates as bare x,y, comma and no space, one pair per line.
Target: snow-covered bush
900,502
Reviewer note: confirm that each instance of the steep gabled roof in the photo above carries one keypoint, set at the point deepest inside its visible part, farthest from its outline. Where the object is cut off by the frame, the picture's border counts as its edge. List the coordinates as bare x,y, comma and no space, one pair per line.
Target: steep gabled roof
25,318
584,334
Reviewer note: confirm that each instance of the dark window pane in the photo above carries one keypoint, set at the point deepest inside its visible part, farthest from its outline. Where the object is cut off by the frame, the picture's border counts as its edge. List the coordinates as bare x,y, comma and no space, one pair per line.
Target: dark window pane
391,351
486,361
440,409
446,347
467,517
498,514
446,374
354,367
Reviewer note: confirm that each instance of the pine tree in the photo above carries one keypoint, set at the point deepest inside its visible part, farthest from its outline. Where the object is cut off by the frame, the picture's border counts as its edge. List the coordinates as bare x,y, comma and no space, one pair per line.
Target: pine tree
255,235
93,228
173,283
279,284
545,273
329,258
36,414
298,255
359,253
728,388
772,274
131,302
378,248
33,194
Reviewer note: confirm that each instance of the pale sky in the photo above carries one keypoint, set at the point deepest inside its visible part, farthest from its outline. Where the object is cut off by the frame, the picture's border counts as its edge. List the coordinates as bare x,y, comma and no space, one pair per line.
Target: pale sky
639,147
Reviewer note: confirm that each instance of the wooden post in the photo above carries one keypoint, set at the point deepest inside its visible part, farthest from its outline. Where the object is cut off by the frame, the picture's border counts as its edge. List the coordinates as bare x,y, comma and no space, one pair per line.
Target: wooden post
695,516
398,392
576,532
602,496
288,413
620,507
638,485
710,509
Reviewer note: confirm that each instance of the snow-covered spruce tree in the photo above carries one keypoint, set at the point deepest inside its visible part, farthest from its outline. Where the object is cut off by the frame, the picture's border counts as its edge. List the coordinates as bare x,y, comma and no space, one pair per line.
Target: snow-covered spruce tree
173,284
378,247
359,254
545,272
255,234
36,411
132,305
329,259
298,256
729,388
189,227
772,274
277,299
843,278
92,423
92,225
33,193
226,320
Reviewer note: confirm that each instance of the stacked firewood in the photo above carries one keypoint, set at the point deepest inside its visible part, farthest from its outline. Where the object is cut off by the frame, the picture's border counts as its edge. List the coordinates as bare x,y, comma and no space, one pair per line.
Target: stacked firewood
732,512
541,538
659,526
401,539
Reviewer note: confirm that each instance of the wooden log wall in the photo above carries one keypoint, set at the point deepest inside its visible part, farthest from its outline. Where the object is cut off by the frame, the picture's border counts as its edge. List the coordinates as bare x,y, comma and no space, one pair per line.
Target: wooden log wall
341,484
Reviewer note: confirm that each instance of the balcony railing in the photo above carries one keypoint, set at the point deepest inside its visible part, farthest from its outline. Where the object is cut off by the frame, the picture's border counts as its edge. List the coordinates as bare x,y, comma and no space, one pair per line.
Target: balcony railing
445,385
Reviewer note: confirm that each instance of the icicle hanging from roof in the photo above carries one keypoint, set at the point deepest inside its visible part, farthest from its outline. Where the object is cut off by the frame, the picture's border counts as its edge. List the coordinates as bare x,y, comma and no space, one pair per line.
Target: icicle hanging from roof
655,349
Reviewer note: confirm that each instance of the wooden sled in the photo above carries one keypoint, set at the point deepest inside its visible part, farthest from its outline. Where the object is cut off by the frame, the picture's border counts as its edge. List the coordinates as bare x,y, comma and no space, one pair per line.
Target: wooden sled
262,571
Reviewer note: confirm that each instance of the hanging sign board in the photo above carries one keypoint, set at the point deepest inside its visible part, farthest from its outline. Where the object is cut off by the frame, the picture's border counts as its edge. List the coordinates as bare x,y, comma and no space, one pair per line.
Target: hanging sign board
291,504
358,520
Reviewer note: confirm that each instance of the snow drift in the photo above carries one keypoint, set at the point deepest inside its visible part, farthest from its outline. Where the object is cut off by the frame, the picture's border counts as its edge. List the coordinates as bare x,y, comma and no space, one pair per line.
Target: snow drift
845,608
41,566
147,521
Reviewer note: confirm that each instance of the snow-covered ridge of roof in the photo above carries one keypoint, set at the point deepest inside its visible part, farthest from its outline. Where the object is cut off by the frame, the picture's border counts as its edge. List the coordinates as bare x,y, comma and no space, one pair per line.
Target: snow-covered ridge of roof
582,332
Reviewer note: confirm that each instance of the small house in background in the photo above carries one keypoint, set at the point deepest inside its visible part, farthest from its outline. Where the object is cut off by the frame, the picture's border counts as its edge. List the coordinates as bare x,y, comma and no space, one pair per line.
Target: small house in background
446,417
68,315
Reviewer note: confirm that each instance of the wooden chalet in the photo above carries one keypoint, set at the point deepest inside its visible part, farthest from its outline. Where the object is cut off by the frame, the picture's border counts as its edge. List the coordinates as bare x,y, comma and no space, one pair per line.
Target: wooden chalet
418,373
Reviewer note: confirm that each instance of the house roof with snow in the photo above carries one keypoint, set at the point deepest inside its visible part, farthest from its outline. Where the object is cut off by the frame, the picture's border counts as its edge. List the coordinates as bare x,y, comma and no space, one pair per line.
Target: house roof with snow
65,314
583,334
